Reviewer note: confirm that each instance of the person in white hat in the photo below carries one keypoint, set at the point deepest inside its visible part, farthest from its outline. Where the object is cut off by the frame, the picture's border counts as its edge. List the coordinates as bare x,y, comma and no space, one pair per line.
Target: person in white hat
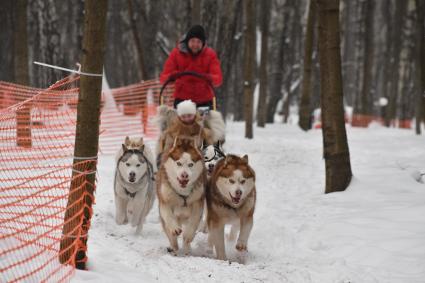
186,111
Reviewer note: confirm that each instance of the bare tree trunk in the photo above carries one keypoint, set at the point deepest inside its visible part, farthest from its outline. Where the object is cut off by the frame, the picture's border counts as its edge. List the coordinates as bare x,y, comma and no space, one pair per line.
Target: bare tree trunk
137,41
291,57
44,39
209,18
196,12
249,61
236,101
7,16
349,59
336,152
386,62
420,105
262,100
396,39
362,113
226,50
87,135
23,115
305,107
276,77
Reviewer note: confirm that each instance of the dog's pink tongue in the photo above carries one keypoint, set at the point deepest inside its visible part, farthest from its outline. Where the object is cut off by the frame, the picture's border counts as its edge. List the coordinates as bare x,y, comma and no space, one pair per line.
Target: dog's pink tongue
235,200
183,182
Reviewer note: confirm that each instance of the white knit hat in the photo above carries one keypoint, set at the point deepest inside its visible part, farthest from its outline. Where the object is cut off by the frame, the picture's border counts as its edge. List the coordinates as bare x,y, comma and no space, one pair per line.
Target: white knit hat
186,107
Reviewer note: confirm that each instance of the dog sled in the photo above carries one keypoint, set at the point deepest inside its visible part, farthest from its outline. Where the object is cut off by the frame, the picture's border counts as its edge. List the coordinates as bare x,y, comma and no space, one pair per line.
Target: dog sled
182,74
209,130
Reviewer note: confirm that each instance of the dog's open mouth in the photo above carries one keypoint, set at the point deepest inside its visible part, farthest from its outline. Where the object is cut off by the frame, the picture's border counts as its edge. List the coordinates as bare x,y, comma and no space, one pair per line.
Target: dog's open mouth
183,182
235,200
132,179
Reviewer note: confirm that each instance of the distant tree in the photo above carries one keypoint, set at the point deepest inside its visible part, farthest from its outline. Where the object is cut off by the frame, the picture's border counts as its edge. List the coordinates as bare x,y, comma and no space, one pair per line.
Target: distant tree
23,115
363,107
277,65
305,105
196,12
336,152
137,40
7,14
248,68
262,100
292,45
44,38
420,105
394,70
227,51
350,36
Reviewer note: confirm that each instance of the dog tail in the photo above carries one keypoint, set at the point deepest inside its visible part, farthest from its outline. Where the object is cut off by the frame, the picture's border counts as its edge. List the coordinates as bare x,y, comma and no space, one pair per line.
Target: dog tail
216,124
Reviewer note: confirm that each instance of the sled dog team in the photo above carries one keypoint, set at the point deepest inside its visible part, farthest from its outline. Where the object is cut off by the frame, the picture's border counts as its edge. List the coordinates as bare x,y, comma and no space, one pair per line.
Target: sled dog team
199,188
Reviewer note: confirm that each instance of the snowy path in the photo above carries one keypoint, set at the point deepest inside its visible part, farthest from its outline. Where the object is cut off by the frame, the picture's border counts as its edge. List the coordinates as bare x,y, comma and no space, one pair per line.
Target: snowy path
374,232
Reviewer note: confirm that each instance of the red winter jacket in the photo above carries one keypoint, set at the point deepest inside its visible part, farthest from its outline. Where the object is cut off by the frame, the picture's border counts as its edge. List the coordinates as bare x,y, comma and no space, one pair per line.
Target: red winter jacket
190,87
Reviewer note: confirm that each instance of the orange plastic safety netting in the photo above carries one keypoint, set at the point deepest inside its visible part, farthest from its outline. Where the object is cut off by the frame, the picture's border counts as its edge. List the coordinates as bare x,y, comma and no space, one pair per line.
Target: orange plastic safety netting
39,185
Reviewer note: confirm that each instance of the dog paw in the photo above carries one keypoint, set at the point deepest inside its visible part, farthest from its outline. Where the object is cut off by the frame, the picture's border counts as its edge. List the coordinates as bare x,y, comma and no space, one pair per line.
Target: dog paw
241,247
171,251
187,248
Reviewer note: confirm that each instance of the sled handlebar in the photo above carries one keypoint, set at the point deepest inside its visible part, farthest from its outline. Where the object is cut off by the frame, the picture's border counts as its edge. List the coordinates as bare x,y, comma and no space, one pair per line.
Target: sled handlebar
181,74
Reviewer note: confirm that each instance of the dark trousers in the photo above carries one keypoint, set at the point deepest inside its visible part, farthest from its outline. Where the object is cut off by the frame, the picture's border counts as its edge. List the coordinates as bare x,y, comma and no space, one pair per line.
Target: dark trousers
203,104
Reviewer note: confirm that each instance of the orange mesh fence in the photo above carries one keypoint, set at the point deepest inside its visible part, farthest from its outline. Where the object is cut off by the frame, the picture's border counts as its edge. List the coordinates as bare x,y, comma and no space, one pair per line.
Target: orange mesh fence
129,111
39,185
359,120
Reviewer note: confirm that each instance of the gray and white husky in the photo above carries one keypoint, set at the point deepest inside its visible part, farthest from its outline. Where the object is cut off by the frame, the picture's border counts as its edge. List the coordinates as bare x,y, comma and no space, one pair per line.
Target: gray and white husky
134,185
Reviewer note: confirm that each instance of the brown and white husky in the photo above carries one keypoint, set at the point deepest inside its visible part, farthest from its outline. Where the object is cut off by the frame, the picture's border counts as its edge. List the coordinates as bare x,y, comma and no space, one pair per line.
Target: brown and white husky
181,192
231,197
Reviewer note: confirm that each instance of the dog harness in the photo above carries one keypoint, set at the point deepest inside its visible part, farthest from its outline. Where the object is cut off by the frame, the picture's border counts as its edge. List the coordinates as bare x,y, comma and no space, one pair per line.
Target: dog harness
217,152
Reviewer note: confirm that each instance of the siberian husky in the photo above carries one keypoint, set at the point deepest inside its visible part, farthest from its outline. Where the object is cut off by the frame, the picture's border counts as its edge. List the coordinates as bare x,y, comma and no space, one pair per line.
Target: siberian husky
181,193
231,199
212,154
134,183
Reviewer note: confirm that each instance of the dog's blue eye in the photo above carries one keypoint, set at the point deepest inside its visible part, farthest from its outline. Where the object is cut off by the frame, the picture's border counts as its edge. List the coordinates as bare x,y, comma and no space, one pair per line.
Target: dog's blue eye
242,182
231,181
190,165
138,165
128,164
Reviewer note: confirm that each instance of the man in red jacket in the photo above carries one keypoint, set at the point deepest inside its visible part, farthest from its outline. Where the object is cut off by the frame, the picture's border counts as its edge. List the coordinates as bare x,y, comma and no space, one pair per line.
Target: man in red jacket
192,54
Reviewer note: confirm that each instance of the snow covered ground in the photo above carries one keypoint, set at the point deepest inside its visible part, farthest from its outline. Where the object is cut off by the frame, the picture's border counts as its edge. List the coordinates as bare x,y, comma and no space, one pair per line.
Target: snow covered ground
373,232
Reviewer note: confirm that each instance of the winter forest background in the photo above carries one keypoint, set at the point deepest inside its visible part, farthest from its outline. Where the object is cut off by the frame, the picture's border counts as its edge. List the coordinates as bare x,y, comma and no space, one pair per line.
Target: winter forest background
353,70
380,47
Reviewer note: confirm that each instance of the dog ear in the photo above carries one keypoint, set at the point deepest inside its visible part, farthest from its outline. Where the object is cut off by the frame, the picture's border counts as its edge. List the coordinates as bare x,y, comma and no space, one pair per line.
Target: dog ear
245,158
124,147
127,141
141,140
142,148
